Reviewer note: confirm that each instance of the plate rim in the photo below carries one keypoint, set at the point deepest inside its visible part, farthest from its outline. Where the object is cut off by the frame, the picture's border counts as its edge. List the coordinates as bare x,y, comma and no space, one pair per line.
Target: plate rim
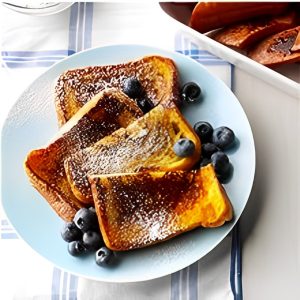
39,12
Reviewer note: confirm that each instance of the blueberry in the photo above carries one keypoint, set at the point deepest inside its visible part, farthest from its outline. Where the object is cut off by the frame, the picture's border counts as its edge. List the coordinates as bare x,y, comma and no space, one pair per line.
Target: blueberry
190,92
220,162
70,232
204,130
76,248
86,219
184,147
132,87
145,105
224,178
92,240
223,137
104,256
208,149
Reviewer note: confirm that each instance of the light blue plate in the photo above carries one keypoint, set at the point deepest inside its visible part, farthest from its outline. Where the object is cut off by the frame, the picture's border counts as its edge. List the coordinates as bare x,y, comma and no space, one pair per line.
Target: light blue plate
32,122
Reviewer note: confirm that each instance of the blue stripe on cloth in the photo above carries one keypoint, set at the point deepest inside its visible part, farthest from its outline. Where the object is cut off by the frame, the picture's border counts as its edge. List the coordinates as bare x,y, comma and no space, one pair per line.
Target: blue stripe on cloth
7,229
73,26
73,287
64,286
236,265
239,287
175,285
80,37
193,281
232,263
236,262
208,57
80,29
213,62
30,59
4,222
232,80
204,55
183,277
32,64
34,54
55,288
197,52
9,236
80,26
207,60
88,25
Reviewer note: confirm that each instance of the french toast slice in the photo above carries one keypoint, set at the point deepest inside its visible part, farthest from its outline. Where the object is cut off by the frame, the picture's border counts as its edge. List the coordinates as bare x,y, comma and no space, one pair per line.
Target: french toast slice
245,34
146,143
283,47
140,209
106,112
157,75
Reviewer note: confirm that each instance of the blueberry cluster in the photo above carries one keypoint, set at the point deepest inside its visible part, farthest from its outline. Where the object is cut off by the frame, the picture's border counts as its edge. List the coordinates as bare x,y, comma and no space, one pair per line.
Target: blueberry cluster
214,143
133,89
190,92
83,236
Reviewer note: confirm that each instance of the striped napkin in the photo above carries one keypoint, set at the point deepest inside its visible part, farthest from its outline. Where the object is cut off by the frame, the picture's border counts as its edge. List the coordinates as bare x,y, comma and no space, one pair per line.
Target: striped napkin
46,40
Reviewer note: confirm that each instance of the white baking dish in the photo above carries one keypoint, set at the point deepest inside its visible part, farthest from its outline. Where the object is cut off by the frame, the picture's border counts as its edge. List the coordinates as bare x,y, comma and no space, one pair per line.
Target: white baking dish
286,78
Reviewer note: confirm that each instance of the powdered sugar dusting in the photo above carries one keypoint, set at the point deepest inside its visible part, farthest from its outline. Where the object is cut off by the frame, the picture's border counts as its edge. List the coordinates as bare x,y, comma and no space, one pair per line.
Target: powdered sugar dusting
157,75
145,144
110,111
144,208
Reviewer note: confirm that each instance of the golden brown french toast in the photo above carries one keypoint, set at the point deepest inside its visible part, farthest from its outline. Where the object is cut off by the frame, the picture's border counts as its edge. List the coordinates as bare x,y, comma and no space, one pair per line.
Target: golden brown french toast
106,112
157,75
283,47
245,34
140,209
147,143
208,16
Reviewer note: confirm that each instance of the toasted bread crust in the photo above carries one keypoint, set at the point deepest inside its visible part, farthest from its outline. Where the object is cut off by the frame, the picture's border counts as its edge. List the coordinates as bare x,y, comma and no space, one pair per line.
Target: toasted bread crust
158,76
246,34
208,16
63,203
277,49
147,143
105,113
141,209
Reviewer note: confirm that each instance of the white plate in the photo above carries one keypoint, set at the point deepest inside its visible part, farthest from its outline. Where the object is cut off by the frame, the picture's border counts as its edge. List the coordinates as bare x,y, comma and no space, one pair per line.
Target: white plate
37,8
32,122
